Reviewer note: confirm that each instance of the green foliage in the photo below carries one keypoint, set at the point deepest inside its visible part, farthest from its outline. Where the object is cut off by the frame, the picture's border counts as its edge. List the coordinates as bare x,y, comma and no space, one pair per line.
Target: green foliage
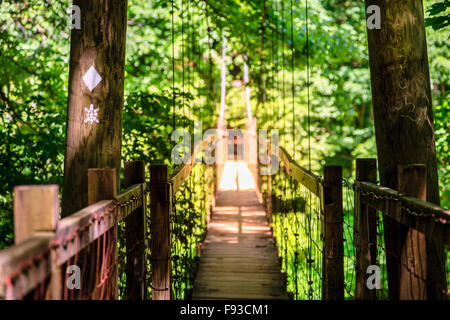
145,136
33,90
439,16
296,224
442,135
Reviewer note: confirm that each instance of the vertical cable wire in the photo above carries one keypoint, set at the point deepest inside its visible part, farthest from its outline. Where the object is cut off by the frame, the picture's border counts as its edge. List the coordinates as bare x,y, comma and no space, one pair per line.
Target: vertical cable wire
277,69
189,71
307,85
283,67
173,70
272,76
210,73
310,282
182,61
294,188
292,80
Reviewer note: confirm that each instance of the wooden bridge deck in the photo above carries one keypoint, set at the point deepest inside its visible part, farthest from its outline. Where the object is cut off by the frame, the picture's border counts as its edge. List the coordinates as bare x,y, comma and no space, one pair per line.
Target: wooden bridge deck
239,260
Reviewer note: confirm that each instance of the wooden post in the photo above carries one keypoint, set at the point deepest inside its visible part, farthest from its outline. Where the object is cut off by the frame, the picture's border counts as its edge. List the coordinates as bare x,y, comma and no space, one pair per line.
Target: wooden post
333,246
161,208
102,185
403,117
95,102
412,181
365,230
36,209
135,235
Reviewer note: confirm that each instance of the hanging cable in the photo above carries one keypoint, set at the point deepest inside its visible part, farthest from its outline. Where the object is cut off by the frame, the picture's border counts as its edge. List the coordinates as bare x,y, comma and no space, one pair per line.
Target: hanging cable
283,67
182,62
272,78
309,216
173,70
223,79
189,71
307,85
292,80
277,69
211,101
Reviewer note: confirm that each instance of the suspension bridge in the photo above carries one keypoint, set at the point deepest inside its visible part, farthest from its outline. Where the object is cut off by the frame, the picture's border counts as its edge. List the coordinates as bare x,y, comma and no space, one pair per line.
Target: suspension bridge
220,231
250,225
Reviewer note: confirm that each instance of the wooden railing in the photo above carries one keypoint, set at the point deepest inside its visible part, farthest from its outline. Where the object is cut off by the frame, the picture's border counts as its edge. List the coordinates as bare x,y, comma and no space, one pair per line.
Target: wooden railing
407,207
37,265
308,179
44,243
420,222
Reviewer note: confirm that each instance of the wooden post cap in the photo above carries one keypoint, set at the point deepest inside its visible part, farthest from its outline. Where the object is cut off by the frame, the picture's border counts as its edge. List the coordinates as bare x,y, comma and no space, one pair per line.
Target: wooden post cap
36,208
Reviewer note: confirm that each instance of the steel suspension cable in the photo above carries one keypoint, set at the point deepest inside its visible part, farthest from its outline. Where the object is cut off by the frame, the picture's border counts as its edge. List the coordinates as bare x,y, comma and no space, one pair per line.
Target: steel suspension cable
283,67
189,75
292,80
277,70
308,84
182,62
273,67
309,216
173,70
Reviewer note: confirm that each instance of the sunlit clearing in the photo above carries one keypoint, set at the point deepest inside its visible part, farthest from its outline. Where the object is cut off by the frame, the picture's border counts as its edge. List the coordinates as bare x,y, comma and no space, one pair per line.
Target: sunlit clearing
236,176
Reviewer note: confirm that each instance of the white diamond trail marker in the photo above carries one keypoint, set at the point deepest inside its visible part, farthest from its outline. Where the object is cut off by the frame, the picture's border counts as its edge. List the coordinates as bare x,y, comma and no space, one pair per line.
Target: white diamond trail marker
92,78
91,114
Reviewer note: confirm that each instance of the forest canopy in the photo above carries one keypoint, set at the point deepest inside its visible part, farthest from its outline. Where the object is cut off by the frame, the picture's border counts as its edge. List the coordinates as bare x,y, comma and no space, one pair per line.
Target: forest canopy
174,50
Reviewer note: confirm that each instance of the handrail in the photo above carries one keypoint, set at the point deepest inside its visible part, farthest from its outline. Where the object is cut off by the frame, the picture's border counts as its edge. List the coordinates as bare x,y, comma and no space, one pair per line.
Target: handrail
308,179
426,217
73,234
182,171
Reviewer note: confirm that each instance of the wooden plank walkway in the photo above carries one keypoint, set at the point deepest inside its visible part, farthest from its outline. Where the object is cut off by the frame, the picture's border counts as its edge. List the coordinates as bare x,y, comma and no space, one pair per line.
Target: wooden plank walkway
239,259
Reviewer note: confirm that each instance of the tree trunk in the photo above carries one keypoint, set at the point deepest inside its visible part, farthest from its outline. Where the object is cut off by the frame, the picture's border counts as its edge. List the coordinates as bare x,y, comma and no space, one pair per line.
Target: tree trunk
404,120
95,105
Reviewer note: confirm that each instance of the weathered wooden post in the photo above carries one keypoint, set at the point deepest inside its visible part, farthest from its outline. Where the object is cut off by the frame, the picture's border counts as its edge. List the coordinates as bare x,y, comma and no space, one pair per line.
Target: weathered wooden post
102,185
135,235
160,210
95,102
36,209
333,246
365,230
412,181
